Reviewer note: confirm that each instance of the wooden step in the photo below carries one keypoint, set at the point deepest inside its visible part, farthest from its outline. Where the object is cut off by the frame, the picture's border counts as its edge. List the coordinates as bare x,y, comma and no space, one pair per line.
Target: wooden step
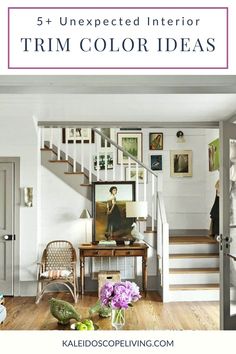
75,173
193,255
86,185
194,287
193,270
175,240
59,161
150,231
46,149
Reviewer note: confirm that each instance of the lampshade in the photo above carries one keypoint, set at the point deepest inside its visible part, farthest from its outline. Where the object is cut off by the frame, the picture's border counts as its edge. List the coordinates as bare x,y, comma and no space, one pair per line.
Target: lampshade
85,214
136,209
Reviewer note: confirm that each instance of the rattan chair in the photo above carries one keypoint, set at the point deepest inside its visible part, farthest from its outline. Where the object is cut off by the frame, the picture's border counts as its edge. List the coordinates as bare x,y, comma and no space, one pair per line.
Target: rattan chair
58,266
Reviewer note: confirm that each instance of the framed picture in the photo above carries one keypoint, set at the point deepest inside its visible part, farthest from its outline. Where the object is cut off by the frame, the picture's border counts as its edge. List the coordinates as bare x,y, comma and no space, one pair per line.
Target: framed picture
132,175
109,132
132,143
109,210
71,134
102,161
181,163
156,162
155,141
214,155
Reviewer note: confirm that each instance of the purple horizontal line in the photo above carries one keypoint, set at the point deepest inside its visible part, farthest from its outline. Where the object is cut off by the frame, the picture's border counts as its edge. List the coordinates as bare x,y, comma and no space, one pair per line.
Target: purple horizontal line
118,8
125,68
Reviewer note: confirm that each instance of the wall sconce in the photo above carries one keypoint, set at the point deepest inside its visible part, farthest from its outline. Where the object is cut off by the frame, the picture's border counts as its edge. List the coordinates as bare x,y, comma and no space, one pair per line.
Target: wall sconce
180,137
28,196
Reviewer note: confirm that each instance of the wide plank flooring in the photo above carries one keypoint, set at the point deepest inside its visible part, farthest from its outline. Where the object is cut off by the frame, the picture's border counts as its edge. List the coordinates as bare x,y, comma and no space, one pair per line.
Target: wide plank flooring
147,314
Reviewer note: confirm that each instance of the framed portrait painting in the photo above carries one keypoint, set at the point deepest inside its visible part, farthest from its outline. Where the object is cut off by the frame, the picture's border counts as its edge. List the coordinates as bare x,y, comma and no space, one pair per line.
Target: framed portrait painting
132,143
109,210
155,141
181,163
70,135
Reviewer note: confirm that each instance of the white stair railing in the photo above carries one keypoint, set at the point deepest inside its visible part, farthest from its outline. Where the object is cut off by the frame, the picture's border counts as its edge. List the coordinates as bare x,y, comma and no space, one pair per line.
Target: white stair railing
147,191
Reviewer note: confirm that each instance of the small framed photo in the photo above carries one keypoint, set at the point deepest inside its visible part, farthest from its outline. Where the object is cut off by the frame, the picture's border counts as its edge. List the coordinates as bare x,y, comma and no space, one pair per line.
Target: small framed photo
181,163
156,162
109,132
102,161
132,143
70,135
155,141
130,174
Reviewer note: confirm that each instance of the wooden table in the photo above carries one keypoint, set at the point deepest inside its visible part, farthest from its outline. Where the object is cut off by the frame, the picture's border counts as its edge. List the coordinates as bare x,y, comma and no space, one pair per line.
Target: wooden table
135,250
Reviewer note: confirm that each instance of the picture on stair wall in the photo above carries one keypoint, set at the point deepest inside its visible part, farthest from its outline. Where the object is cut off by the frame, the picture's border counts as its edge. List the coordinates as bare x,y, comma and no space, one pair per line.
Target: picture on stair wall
156,162
131,174
132,143
105,160
109,210
70,135
214,155
155,141
181,163
109,132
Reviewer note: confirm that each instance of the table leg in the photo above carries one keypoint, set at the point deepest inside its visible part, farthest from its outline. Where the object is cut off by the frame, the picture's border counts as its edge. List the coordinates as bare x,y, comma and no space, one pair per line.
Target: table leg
82,274
144,273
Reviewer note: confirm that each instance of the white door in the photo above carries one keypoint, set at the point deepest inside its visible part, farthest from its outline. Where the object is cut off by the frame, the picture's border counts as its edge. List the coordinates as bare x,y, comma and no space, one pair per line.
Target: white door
227,238
6,227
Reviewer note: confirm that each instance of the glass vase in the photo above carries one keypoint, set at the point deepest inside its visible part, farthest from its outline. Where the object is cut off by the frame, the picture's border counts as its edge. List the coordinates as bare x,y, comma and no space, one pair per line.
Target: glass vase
118,318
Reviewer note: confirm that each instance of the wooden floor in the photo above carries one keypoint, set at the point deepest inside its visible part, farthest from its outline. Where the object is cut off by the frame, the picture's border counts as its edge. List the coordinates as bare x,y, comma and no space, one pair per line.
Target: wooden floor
147,314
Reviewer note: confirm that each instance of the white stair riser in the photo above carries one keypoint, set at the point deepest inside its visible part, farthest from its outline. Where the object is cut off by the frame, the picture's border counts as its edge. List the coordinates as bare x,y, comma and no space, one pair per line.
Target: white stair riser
194,262
198,278
194,295
193,248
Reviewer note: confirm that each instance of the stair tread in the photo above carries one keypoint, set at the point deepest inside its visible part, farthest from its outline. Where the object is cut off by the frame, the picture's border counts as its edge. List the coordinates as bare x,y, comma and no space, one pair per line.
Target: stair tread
86,185
191,240
193,270
194,287
74,173
46,149
59,161
194,255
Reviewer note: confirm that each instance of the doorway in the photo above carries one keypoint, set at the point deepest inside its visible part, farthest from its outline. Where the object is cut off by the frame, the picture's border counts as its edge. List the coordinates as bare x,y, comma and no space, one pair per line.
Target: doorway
9,225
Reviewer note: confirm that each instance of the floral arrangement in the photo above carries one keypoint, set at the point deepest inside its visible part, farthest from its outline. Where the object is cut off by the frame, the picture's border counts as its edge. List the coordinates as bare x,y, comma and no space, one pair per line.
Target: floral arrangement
119,295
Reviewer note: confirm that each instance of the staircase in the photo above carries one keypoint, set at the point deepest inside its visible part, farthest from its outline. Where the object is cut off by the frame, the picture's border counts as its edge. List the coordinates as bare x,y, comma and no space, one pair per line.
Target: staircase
187,266
193,268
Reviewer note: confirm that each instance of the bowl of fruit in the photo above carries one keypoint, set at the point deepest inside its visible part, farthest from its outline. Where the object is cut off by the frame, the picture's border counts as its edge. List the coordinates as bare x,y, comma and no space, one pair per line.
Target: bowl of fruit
85,325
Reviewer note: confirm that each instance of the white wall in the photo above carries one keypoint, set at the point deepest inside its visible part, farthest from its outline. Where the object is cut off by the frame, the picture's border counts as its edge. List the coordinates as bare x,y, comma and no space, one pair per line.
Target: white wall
18,138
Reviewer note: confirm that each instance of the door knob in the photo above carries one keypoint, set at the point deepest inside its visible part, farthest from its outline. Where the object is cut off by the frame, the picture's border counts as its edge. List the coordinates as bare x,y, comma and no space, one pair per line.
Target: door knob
9,237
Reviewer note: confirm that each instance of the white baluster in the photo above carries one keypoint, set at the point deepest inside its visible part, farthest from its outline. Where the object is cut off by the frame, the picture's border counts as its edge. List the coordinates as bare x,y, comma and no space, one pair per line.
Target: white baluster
105,142
51,138
74,151
153,201
42,137
66,142
90,159
129,162
137,183
145,185
58,143
114,156
98,149
121,167
82,151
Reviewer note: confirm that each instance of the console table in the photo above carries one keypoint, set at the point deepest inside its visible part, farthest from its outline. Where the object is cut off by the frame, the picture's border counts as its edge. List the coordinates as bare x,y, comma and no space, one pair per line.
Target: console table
135,250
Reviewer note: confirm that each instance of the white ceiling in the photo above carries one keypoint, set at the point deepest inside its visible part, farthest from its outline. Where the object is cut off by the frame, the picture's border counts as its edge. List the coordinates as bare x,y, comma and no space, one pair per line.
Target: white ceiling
147,99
